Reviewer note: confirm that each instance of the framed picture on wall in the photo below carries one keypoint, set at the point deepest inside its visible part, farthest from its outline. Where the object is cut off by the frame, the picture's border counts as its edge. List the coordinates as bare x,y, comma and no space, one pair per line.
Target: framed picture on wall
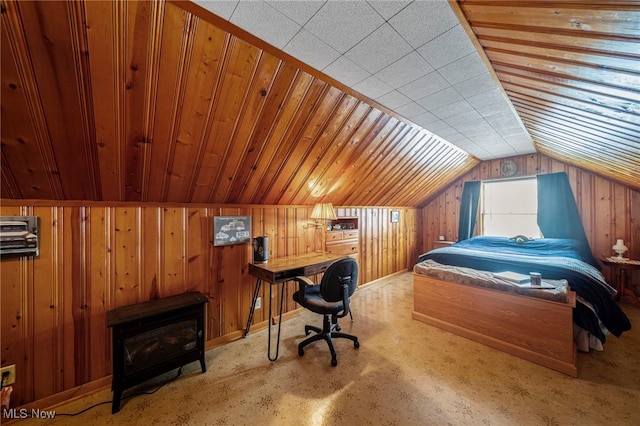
19,236
229,230
395,216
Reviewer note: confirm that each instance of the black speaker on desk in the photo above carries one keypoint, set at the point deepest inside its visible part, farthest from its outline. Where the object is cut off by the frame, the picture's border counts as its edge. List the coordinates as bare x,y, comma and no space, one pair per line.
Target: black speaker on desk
260,249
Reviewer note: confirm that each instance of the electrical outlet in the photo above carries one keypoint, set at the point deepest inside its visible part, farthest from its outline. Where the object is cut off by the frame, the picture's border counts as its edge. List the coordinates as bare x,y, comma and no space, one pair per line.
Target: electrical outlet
8,374
258,302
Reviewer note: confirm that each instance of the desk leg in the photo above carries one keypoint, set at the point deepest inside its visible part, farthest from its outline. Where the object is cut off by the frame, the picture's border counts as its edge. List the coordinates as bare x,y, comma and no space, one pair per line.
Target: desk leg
275,357
253,306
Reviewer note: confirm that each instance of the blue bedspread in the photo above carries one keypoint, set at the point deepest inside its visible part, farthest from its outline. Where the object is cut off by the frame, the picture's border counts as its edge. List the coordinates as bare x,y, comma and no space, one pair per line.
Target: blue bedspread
554,259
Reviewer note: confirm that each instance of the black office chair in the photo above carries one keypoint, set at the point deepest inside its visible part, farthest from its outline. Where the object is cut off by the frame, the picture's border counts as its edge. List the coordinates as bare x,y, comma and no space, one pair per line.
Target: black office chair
330,298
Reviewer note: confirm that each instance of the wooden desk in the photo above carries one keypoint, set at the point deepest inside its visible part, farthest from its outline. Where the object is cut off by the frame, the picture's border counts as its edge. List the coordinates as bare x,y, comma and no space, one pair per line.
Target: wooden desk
278,271
620,270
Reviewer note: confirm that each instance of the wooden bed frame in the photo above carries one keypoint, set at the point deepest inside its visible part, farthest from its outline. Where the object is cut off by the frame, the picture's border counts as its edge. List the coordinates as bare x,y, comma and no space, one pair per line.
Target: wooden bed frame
537,330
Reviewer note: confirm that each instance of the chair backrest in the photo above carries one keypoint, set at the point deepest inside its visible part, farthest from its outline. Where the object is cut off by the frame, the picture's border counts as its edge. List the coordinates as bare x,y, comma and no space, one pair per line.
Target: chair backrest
340,272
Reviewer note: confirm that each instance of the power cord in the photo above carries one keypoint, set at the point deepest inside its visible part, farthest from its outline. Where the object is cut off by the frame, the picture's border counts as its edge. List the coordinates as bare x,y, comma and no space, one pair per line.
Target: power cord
126,397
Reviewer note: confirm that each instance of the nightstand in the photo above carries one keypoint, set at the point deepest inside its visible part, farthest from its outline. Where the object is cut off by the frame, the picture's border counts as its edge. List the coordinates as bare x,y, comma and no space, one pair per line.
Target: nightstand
620,269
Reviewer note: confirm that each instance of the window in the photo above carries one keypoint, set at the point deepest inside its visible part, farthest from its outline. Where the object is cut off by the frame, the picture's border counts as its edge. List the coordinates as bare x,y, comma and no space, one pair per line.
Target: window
509,207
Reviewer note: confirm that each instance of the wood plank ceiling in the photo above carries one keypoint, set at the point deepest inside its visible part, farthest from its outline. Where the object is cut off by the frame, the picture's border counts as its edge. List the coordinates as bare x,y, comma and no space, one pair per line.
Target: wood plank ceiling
572,71
146,101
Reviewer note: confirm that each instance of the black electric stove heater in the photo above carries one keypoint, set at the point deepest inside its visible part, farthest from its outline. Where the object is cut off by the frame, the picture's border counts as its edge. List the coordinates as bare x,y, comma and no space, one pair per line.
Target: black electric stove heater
151,338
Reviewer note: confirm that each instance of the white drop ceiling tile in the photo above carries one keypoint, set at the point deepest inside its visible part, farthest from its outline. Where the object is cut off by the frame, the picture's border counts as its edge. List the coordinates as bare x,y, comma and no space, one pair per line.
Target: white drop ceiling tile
345,71
492,141
448,47
487,101
448,132
521,140
518,137
429,121
388,8
319,57
440,99
496,146
479,134
524,151
393,99
462,142
508,130
467,119
463,145
343,24
503,151
452,109
480,152
299,11
489,109
424,86
501,120
526,147
478,130
223,9
406,69
433,126
372,87
504,121
463,69
265,22
477,85
379,50
410,110
416,22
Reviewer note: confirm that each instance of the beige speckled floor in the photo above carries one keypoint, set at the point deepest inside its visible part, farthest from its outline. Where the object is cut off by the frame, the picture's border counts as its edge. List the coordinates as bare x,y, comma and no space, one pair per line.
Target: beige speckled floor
404,373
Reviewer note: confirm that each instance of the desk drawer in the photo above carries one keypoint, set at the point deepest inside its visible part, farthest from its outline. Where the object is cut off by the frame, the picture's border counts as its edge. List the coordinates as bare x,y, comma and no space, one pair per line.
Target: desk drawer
334,236
315,270
343,247
352,233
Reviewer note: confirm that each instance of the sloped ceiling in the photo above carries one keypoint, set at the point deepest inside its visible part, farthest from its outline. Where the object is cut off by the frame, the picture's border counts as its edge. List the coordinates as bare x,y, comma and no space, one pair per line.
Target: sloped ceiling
159,102
572,71
145,101
413,57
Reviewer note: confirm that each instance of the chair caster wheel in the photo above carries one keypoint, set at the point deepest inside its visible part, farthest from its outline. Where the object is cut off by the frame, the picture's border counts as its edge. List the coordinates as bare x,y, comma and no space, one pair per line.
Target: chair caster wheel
334,362
338,327
300,351
356,344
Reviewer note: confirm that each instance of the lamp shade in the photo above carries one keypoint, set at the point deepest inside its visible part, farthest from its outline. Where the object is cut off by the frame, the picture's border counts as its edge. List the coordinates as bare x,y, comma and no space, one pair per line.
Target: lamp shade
323,211
620,248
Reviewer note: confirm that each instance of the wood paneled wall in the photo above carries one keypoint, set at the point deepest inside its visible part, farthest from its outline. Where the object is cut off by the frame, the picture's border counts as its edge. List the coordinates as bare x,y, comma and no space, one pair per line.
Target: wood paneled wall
608,210
96,257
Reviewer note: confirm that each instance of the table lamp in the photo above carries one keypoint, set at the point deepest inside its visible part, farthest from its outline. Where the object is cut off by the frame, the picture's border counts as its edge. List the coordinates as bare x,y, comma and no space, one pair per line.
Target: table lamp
620,248
321,213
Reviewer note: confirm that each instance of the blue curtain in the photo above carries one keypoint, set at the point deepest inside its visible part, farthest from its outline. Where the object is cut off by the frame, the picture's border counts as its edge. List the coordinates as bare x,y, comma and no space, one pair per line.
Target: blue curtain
558,215
468,209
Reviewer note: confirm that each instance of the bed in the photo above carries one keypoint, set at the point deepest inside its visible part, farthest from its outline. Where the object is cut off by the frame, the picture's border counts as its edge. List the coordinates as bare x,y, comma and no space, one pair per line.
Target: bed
455,289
